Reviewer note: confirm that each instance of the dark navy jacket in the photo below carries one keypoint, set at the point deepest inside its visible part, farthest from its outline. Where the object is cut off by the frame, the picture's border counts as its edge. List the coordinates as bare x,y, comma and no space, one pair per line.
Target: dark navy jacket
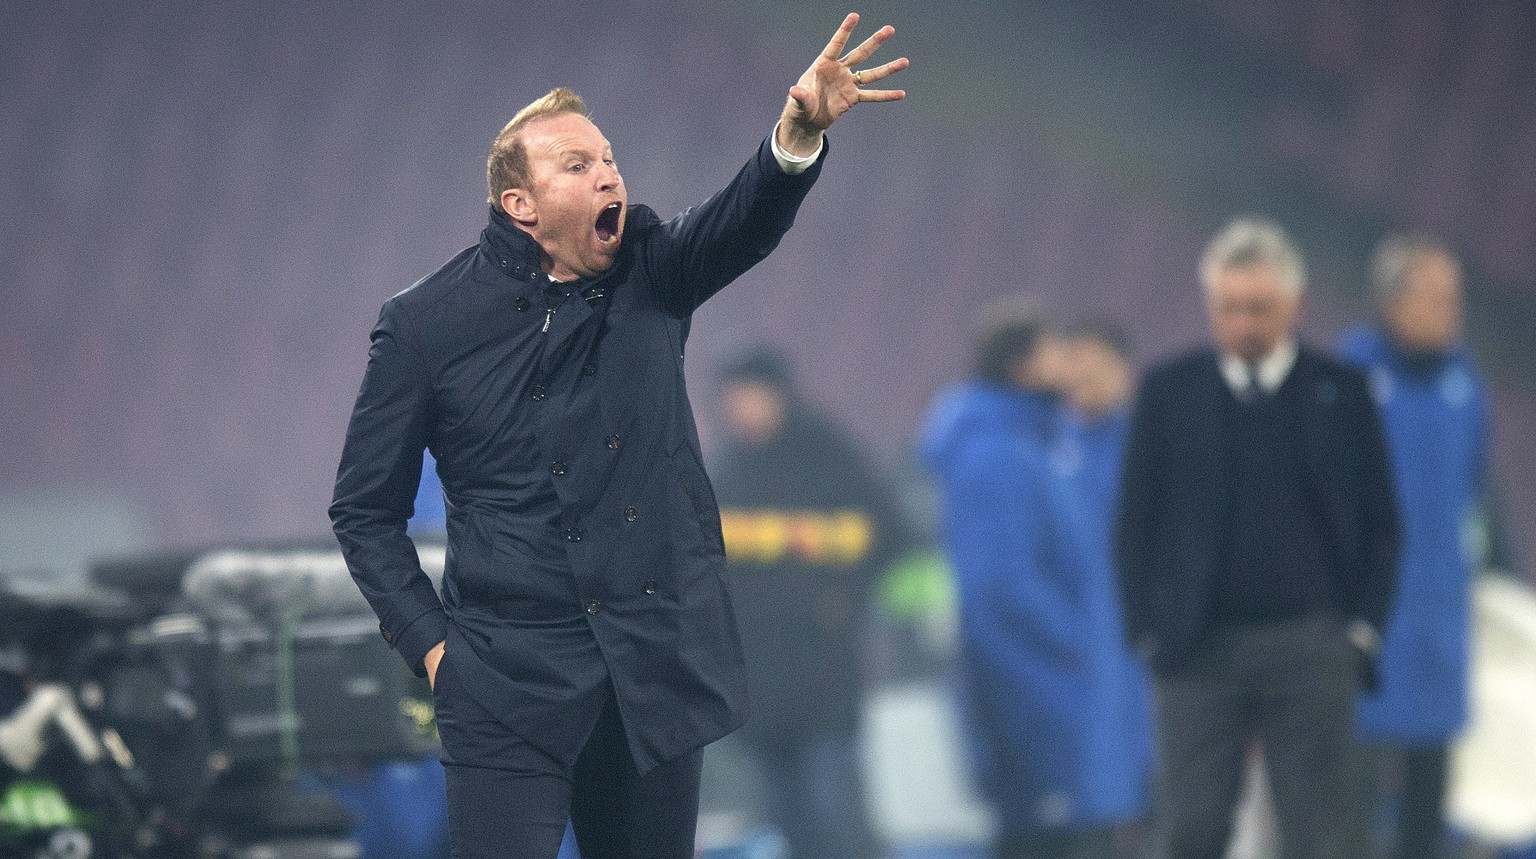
809,528
1168,530
584,543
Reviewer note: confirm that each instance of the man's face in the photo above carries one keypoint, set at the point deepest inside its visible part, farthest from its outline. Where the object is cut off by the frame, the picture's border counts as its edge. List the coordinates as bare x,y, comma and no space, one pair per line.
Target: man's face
1099,380
1043,369
753,411
575,207
1426,313
1251,310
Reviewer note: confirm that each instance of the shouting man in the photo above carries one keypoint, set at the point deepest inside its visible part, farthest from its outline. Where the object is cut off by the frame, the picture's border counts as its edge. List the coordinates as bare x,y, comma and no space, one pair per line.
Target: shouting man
583,650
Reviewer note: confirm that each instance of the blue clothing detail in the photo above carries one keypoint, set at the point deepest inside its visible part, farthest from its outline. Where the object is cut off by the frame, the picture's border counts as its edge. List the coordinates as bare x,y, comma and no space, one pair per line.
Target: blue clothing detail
431,514
400,808
1436,423
1122,692
1040,633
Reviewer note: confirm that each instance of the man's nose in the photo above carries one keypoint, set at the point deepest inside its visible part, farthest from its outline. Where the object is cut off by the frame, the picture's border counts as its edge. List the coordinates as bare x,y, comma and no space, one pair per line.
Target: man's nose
608,177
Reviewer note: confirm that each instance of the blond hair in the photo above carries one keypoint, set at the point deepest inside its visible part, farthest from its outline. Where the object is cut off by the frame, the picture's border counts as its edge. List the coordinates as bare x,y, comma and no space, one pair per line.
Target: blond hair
507,165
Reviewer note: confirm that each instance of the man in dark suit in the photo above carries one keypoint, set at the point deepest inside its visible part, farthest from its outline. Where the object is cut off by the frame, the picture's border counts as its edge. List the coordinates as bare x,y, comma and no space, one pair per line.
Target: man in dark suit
1256,541
583,650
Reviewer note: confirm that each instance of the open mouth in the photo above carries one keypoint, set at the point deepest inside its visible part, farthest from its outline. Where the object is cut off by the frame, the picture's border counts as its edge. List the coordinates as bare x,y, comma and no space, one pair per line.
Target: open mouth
608,222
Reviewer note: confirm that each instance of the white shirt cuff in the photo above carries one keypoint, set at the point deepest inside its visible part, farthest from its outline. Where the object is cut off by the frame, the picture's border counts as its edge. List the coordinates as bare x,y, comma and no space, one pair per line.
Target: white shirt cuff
793,164
1365,637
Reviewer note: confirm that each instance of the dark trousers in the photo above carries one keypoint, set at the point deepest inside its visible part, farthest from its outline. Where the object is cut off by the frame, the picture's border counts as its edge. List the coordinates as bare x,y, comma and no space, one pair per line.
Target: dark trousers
507,798
814,794
1410,780
1076,844
1289,685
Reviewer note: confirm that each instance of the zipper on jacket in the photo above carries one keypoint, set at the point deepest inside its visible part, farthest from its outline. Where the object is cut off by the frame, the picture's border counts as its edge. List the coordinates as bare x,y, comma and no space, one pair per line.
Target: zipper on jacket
549,312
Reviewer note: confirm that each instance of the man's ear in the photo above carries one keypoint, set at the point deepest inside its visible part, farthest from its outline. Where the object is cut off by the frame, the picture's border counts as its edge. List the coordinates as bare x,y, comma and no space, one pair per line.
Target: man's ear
518,205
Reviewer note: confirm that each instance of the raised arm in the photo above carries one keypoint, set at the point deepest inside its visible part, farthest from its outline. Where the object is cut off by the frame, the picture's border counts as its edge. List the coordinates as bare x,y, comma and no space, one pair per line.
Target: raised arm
708,246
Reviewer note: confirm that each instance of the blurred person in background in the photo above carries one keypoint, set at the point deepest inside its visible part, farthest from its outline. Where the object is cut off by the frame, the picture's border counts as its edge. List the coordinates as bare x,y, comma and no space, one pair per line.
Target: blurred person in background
1030,644
1098,383
1256,540
809,527
1088,452
1436,412
583,649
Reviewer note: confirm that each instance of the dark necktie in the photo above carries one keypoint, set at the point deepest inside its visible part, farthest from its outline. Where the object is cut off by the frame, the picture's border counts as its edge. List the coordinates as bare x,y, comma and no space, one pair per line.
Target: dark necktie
1253,392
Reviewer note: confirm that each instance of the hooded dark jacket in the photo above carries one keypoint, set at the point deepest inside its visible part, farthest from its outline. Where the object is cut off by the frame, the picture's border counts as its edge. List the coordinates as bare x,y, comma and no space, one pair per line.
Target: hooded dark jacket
808,529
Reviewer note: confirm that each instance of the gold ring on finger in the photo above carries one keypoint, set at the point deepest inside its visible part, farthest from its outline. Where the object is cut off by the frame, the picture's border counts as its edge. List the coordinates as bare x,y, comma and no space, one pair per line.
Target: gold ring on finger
858,78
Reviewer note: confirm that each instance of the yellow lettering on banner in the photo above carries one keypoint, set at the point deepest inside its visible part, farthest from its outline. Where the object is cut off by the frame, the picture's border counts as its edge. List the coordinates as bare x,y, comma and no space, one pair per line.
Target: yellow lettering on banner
854,536
840,538
736,527
808,537
771,537
753,536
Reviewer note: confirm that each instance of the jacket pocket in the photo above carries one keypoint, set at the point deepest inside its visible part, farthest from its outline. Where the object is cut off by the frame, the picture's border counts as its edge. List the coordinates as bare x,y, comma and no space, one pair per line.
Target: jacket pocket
701,496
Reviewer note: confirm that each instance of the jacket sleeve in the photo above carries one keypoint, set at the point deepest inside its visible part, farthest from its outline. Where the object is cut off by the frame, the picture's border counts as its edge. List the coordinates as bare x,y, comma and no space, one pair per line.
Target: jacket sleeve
695,254
1134,523
1379,516
376,487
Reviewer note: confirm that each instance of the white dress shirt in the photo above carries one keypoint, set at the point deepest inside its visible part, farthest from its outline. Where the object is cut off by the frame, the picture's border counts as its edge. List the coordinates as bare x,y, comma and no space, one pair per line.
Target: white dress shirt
1271,369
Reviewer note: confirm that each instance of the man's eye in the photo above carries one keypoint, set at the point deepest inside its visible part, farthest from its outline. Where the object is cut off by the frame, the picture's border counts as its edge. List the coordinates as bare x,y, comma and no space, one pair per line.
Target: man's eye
578,167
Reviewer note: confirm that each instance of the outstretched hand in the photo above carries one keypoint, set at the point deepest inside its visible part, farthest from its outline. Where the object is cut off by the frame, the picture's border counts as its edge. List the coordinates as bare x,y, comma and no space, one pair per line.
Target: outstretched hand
832,85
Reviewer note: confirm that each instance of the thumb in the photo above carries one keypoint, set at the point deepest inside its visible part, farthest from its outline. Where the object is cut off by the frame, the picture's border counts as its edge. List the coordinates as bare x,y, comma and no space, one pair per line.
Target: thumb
800,94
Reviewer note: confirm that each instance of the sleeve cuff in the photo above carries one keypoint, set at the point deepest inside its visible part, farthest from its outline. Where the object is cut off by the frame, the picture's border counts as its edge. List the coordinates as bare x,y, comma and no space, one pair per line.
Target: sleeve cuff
420,636
1365,637
793,164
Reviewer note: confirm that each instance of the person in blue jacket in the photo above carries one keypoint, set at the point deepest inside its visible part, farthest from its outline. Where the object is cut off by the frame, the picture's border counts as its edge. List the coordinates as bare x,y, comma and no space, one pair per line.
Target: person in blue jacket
1434,407
1088,452
1023,560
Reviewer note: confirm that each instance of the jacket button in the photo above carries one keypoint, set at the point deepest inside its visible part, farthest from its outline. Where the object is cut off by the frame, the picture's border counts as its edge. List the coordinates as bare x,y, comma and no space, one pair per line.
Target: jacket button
574,534
589,369
538,392
614,442
593,606
650,586
631,514
521,304
557,468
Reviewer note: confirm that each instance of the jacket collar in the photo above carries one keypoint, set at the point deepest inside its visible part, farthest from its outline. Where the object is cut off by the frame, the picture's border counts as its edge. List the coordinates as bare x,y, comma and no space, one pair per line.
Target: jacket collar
512,251
1414,364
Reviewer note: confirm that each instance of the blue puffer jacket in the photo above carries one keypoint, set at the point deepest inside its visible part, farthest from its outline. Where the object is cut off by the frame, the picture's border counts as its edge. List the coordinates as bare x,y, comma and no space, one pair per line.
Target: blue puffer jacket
1040,648
1436,422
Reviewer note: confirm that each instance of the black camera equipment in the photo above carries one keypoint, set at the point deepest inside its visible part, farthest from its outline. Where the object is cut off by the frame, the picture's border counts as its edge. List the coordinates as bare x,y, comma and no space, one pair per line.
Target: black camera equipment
218,676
